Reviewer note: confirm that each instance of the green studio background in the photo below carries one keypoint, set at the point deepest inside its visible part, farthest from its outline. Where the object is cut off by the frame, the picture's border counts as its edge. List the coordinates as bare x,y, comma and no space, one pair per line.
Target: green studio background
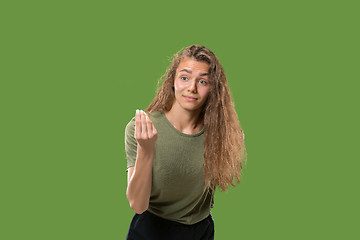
74,72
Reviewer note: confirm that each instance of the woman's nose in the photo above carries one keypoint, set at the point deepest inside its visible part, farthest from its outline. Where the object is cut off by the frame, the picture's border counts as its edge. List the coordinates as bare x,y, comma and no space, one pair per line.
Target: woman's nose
192,86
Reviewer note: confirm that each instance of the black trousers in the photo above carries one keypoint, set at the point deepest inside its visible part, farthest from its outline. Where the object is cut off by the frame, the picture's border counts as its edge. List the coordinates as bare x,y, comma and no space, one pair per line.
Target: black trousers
147,226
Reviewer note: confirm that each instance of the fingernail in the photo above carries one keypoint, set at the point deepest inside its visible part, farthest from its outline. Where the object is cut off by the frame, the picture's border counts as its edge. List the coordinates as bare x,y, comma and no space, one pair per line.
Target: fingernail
137,111
142,111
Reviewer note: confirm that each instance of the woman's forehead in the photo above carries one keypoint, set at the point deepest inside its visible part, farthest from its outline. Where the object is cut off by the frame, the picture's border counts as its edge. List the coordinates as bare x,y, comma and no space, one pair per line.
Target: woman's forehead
191,65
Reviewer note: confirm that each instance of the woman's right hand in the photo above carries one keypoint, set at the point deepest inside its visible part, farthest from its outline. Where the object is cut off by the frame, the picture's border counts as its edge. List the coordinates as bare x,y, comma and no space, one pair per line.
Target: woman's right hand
145,131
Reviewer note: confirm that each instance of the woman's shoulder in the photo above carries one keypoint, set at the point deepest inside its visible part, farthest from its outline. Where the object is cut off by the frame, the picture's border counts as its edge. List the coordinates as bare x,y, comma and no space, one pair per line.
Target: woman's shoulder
155,114
130,126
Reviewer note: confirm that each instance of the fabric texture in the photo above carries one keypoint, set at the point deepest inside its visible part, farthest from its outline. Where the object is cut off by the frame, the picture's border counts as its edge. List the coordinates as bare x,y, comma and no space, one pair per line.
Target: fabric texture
178,192
147,226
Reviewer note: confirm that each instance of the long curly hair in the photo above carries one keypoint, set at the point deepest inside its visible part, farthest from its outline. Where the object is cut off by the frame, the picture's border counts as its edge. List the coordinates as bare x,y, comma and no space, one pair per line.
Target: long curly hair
224,148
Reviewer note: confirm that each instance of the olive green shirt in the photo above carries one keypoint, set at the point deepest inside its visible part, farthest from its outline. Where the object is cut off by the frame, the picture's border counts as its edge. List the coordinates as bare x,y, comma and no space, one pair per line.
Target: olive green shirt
178,191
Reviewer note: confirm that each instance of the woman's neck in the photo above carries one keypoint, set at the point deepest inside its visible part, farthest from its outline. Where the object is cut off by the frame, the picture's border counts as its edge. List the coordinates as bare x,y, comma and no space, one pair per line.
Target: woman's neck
184,121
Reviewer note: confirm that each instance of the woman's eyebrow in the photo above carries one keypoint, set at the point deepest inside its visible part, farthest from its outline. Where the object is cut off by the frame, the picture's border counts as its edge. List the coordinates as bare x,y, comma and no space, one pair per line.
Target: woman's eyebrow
189,71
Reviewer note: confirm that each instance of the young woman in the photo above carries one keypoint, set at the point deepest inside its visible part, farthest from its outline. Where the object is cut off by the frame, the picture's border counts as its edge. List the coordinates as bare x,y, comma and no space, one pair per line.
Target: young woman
187,142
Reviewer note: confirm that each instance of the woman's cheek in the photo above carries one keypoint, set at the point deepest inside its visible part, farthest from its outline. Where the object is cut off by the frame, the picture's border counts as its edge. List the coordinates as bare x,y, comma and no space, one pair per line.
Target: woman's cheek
204,91
179,86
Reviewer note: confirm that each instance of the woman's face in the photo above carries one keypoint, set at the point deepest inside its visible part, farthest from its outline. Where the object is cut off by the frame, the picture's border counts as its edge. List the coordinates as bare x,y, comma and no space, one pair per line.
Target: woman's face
191,84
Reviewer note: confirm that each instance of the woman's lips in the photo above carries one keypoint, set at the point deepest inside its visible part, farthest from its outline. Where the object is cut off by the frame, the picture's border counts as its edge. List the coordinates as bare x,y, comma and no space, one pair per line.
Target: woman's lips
190,98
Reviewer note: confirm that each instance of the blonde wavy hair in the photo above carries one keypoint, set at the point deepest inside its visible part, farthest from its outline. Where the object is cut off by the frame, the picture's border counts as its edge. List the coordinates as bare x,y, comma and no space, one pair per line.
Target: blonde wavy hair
224,148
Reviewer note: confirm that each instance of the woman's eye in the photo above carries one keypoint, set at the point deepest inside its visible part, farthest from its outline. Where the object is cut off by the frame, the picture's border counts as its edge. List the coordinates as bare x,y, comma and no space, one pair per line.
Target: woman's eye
203,82
183,78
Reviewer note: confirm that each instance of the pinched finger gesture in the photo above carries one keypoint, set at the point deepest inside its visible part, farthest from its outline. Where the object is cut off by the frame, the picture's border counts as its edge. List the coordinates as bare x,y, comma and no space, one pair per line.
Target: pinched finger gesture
145,131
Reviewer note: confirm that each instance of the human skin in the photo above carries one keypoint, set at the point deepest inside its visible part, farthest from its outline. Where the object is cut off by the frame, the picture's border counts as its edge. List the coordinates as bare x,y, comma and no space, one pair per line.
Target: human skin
191,86
140,176
191,80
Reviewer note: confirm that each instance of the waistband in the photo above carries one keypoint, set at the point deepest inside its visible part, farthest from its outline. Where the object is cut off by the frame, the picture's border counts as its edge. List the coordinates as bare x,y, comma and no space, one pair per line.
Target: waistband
167,221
